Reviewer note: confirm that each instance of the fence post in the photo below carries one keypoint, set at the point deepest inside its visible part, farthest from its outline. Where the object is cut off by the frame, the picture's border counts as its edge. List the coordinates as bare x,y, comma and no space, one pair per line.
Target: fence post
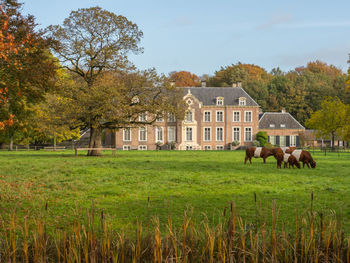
76,151
113,152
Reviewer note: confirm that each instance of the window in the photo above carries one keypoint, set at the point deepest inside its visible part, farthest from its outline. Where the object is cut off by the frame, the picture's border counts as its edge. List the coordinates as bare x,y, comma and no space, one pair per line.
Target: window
219,101
282,141
236,116
219,134
126,147
188,134
143,116
242,101
189,116
283,126
207,134
189,102
273,139
248,134
159,134
189,147
293,140
142,134
127,134
171,117
142,147
207,116
219,116
248,116
219,147
236,134
171,134
272,125
207,147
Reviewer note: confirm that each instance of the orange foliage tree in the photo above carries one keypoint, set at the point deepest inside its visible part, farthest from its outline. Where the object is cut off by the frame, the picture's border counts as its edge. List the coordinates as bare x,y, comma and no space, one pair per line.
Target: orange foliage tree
27,69
185,79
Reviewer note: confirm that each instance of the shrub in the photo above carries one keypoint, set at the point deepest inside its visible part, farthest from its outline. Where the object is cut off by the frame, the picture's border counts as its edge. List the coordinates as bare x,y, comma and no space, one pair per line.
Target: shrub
262,138
235,143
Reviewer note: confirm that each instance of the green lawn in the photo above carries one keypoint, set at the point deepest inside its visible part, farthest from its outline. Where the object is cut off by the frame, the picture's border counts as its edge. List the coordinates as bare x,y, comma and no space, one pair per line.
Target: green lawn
173,181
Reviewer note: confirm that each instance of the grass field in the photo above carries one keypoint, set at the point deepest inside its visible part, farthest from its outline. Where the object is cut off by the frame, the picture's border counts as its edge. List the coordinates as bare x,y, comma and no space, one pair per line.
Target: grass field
140,185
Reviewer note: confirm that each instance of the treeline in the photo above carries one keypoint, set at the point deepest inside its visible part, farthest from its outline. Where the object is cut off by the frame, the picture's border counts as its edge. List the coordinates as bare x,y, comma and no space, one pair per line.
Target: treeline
300,91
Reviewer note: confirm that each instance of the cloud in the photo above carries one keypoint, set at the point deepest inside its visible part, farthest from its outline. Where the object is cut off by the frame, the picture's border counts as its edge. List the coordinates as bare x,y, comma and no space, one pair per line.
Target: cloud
274,21
316,25
183,21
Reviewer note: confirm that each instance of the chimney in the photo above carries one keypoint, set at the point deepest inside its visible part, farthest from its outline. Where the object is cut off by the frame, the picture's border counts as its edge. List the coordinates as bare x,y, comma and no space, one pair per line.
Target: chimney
283,110
234,85
239,84
203,83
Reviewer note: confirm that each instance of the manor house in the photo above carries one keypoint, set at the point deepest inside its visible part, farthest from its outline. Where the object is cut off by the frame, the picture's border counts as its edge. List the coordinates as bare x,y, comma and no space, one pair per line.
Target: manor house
215,117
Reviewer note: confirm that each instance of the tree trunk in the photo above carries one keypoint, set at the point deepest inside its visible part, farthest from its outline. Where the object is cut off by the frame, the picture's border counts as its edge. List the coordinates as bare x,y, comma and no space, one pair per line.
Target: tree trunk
333,136
11,144
54,142
95,141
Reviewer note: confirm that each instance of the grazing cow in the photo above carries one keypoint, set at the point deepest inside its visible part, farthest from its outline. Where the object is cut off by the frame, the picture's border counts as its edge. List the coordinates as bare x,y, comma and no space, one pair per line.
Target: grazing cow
291,160
305,157
278,154
257,152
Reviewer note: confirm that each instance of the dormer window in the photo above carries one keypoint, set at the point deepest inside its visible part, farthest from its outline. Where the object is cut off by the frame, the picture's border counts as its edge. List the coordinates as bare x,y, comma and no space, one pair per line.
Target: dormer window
272,125
283,126
219,101
188,116
242,101
189,102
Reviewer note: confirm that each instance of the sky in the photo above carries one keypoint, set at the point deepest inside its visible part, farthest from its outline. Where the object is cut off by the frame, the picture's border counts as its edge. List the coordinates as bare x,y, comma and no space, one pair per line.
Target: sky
201,36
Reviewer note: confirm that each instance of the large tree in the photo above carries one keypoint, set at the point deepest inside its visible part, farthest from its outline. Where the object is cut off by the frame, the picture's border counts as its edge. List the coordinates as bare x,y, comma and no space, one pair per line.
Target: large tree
27,69
90,42
331,120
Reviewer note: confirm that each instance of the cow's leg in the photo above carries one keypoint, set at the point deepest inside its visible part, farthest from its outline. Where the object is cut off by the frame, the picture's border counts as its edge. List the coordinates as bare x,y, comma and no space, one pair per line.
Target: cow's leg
245,160
264,159
307,163
250,160
303,165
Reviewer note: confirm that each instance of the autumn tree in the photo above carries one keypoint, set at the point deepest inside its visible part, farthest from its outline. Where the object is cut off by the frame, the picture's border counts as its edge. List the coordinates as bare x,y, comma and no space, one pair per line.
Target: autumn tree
27,69
331,120
185,79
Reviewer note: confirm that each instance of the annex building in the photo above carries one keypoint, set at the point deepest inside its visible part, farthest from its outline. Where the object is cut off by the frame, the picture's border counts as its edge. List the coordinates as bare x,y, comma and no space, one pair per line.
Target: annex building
215,117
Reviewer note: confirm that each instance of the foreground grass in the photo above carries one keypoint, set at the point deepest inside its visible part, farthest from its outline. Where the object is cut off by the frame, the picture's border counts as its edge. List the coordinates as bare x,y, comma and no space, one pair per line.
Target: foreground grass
137,186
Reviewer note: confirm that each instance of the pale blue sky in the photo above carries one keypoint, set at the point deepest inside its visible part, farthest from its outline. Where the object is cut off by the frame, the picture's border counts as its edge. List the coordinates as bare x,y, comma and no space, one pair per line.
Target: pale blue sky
201,36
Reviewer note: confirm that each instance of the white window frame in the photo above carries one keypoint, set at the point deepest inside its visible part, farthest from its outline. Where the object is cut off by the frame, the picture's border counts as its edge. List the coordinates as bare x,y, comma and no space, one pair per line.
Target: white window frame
186,138
171,117
124,130
140,134
239,116
207,147
220,147
239,133
216,114
251,134
273,139
283,125
242,101
293,142
143,116
126,147
157,130
223,134
204,139
283,140
207,111
272,125
219,101
245,116
169,129
142,147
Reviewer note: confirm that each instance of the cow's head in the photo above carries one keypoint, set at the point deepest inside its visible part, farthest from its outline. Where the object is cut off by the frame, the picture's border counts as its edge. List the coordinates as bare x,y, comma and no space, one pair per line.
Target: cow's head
313,164
297,164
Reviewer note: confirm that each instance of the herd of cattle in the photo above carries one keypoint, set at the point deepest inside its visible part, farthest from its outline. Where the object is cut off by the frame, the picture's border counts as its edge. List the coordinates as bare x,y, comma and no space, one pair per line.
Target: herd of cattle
287,155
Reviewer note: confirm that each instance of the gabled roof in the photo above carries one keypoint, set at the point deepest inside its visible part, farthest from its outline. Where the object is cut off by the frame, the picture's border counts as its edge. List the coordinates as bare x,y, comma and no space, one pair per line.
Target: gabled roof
231,95
278,118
